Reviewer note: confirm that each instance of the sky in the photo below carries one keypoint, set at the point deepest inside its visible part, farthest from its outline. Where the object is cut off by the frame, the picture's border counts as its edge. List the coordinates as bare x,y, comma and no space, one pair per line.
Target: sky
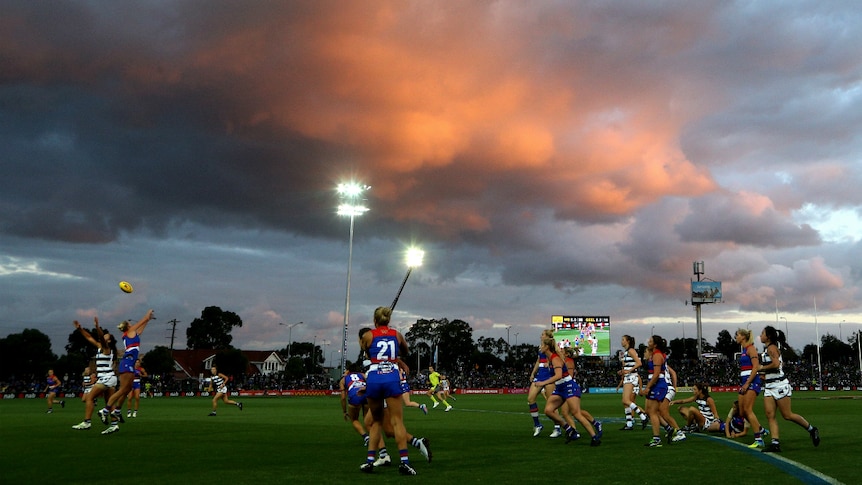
550,157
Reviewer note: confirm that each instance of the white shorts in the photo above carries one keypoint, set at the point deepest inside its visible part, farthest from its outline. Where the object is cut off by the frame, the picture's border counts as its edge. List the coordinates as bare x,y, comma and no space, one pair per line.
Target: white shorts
222,390
707,423
671,393
778,390
108,381
631,378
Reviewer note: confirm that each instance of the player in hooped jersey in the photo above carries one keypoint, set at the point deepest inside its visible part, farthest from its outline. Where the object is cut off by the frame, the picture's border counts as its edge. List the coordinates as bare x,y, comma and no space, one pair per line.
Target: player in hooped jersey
88,380
384,345
219,384
777,390
106,380
630,382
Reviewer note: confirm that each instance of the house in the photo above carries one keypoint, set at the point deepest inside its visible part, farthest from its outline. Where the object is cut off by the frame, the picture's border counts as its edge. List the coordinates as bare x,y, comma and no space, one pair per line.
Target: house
195,364
263,362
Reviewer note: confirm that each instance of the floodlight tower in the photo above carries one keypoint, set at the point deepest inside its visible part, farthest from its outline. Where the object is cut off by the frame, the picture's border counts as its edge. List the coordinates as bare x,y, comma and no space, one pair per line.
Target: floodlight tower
698,272
351,196
413,259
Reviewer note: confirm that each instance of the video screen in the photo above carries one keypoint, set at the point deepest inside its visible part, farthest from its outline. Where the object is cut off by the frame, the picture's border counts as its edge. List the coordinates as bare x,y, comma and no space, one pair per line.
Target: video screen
588,335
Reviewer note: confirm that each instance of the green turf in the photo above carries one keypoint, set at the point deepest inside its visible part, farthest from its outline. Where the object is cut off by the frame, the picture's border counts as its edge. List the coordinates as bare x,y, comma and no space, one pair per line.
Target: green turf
484,439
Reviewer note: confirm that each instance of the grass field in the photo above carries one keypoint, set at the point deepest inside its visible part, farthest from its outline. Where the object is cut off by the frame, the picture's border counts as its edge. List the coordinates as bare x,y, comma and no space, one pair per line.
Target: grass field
484,439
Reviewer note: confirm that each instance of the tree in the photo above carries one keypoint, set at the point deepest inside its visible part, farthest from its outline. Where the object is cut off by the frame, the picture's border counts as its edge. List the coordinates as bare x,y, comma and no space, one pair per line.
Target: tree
726,344
212,329
304,352
26,354
78,345
497,347
788,354
450,342
79,353
485,344
295,368
486,360
231,362
676,348
422,339
523,356
158,361
420,355
455,345
834,350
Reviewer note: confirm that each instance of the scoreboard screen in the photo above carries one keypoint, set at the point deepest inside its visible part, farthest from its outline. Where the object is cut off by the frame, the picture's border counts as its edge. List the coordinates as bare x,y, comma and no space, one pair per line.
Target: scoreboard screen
588,335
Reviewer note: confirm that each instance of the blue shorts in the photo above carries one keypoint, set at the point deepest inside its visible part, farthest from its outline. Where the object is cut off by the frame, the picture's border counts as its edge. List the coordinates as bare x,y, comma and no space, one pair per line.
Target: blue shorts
136,385
658,392
356,399
567,389
127,364
543,374
405,387
382,385
756,384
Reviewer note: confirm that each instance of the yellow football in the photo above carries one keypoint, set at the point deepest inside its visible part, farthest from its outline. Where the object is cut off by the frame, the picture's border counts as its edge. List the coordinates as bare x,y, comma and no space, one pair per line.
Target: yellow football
126,287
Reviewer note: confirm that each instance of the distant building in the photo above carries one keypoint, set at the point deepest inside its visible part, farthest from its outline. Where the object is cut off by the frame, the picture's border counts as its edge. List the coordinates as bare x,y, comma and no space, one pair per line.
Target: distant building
196,364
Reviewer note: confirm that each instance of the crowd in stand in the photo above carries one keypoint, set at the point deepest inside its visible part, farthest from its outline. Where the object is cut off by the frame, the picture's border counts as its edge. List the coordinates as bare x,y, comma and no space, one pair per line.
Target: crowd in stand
591,373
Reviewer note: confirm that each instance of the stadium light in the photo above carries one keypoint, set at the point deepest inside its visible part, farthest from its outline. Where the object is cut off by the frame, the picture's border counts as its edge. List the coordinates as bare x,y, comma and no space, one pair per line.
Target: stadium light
351,195
413,259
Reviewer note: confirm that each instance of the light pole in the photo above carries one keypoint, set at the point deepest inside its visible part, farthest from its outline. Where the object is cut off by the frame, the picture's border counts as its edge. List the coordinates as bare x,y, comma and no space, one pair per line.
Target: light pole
786,328
289,336
350,195
330,355
683,337
859,348
413,259
840,335
325,345
516,339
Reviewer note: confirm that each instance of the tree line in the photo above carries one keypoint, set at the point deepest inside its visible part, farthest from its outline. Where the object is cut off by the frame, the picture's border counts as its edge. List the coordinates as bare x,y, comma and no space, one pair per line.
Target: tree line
443,342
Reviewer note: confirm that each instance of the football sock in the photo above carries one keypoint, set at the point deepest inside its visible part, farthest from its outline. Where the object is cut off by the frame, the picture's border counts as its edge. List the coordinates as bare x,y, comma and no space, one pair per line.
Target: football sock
534,412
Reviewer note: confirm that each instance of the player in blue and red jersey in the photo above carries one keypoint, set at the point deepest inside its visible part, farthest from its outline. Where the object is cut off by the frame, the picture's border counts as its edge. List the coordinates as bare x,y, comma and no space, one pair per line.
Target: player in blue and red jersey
541,372
656,391
384,345
134,397
750,383
52,388
132,341
566,390
353,401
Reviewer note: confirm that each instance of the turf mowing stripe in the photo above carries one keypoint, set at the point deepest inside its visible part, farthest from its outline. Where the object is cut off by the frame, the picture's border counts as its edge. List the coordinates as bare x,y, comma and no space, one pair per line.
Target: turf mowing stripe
797,470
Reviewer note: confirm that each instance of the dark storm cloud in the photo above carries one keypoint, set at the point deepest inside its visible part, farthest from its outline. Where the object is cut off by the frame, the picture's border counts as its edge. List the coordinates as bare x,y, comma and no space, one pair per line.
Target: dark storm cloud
745,219
550,148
